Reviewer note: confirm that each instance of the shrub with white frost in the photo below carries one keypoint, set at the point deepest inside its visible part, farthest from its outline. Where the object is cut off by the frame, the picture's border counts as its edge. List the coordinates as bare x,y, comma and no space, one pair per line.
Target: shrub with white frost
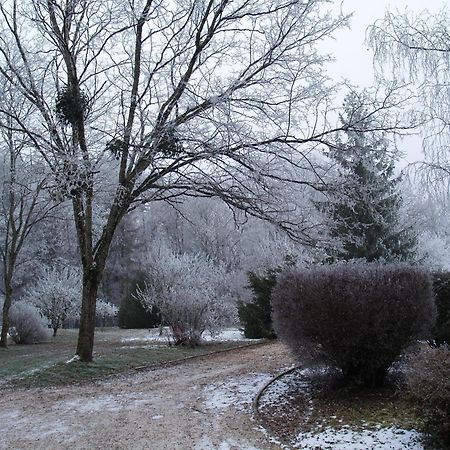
105,311
191,293
27,326
57,295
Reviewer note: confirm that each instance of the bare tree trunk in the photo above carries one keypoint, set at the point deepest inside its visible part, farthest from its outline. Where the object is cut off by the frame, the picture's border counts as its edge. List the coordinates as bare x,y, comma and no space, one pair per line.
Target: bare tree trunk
5,318
85,346
6,307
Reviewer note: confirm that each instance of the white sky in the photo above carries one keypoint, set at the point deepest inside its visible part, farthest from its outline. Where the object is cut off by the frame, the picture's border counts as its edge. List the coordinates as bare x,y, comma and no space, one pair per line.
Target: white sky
354,58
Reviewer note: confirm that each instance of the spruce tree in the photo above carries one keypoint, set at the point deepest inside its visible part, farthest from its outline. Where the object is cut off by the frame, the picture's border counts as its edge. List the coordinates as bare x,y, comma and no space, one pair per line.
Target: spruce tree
363,202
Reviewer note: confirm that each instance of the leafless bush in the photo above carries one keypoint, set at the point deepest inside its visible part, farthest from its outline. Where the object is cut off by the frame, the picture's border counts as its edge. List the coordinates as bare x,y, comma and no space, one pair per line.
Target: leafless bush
428,383
26,324
358,316
191,294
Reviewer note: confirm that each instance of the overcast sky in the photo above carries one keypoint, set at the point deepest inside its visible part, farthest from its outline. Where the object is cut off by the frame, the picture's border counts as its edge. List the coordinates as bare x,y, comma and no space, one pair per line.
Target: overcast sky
354,58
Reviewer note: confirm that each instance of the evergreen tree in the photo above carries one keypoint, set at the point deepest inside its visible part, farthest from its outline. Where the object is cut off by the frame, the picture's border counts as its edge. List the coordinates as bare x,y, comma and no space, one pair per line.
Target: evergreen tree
131,312
363,202
256,316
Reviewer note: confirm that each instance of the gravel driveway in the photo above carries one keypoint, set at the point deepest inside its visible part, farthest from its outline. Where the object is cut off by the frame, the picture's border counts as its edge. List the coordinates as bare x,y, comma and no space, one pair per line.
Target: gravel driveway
201,404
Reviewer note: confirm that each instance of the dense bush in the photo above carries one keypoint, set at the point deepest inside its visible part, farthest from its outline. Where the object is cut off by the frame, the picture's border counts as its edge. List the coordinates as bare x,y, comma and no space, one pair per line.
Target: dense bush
132,313
428,383
256,316
441,287
358,316
27,326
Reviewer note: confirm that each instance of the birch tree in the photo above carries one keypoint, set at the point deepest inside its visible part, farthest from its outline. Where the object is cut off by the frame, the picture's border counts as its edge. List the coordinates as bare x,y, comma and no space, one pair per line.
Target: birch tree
174,98
416,48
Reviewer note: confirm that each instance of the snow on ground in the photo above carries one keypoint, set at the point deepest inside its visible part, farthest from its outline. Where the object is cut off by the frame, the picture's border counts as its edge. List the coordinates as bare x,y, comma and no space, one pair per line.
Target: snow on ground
284,388
206,443
345,438
154,335
238,392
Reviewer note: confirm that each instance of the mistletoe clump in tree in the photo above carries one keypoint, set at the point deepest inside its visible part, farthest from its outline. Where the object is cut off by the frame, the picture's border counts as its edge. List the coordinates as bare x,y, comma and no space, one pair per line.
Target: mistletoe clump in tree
363,202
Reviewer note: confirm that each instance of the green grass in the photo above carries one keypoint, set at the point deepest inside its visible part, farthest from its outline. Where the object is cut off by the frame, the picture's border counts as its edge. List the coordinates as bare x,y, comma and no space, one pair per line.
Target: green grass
46,364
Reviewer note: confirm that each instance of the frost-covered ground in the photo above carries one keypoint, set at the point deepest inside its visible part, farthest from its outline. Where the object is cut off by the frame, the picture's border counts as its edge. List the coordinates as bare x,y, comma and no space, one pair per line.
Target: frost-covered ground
282,390
237,392
154,335
345,439
202,404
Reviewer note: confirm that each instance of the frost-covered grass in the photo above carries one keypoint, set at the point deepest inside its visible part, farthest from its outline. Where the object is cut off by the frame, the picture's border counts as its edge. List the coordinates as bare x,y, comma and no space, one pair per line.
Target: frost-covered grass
115,351
145,337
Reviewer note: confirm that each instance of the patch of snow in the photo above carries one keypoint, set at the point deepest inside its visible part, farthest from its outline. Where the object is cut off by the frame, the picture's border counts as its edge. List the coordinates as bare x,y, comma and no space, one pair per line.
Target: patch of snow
271,438
147,346
237,392
346,438
206,443
73,359
283,388
157,417
9,415
87,405
43,430
228,334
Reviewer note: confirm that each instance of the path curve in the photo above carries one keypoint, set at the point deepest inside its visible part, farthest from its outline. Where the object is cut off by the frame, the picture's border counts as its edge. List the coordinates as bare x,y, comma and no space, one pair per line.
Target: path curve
201,404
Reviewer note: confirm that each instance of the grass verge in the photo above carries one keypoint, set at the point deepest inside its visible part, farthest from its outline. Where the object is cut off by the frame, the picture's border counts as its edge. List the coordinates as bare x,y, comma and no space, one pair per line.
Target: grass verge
116,352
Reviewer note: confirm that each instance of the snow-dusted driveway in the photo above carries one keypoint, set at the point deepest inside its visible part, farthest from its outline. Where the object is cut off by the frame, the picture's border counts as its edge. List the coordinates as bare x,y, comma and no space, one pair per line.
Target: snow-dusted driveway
201,404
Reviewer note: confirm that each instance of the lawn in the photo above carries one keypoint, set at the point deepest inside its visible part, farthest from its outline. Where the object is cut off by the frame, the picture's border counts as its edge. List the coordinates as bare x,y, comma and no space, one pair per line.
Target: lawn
116,351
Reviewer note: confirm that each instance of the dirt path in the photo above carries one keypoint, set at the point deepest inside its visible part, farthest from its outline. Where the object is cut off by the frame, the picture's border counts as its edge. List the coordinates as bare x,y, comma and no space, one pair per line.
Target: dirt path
202,404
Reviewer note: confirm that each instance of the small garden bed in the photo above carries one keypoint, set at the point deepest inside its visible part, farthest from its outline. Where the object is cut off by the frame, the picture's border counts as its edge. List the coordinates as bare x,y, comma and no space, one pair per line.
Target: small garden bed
309,409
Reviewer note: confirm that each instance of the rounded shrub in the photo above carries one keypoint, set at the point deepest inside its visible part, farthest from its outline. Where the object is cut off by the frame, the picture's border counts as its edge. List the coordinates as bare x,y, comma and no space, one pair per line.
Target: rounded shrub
359,316
27,326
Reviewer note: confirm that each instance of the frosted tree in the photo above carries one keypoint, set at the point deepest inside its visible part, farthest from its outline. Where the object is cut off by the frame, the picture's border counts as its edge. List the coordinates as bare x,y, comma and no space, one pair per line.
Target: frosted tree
24,203
363,202
57,295
191,293
416,48
174,98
